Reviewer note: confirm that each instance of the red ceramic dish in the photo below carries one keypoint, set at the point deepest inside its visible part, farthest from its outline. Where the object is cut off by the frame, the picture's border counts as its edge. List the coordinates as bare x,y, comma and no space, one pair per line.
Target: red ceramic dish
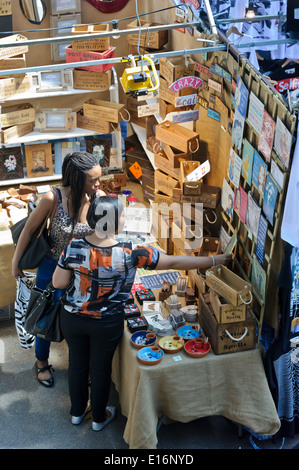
197,348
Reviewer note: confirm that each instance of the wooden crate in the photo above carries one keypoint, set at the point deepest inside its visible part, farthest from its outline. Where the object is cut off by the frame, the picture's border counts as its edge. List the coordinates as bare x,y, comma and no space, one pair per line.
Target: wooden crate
226,312
177,136
190,188
93,44
210,246
16,62
175,67
229,285
163,163
226,337
166,108
104,110
162,231
19,114
12,86
101,127
82,56
11,133
150,39
12,51
174,155
164,182
171,96
85,80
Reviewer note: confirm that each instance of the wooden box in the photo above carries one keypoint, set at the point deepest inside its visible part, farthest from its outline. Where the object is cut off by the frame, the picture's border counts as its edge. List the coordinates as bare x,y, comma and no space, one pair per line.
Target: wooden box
19,114
177,136
174,155
100,127
197,281
210,246
162,231
171,96
162,163
12,51
104,110
175,67
226,337
13,86
226,312
151,39
190,188
92,44
10,134
84,80
82,56
148,183
164,183
210,196
229,285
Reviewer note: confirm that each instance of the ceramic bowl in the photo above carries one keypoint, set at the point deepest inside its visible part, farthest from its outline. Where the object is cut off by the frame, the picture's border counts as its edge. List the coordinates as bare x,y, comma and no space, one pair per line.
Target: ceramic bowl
188,332
171,344
150,356
197,348
141,339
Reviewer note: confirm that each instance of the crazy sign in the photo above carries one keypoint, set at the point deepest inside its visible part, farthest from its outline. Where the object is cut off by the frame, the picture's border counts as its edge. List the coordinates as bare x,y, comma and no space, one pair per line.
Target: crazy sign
185,82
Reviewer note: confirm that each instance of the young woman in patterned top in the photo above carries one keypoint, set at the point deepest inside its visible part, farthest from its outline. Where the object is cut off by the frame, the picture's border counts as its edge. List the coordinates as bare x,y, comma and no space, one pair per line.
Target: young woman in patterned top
80,180
99,272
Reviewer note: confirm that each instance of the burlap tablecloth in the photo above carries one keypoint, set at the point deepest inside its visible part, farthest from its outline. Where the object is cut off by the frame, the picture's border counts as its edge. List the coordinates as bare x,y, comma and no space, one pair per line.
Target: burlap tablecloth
7,282
232,385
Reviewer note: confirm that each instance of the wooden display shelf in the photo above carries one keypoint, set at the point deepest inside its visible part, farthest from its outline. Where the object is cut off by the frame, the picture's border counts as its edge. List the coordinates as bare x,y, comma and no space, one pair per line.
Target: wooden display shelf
37,179
47,94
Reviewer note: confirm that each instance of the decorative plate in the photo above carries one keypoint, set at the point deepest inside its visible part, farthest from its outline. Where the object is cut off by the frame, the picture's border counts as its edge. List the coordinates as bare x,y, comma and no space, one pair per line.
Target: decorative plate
150,356
171,344
140,339
188,332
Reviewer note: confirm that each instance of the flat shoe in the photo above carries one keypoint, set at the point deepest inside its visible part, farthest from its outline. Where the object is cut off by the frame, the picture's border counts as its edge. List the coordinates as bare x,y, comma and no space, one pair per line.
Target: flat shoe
99,426
46,382
78,419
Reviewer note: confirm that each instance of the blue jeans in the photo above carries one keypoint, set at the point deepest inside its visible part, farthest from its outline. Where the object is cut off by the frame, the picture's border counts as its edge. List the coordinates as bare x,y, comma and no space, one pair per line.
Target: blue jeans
43,277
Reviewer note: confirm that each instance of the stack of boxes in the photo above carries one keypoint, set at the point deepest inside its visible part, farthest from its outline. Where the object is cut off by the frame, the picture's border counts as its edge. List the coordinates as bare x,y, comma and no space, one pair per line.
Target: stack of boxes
63,17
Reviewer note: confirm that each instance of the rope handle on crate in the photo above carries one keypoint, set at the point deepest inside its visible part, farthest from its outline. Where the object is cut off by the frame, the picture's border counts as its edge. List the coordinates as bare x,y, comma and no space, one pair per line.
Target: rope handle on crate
237,339
192,187
197,147
128,114
196,236
215,218
249,301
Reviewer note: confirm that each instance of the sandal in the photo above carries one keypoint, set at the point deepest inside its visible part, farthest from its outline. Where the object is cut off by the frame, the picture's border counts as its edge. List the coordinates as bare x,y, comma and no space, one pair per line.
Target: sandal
46,382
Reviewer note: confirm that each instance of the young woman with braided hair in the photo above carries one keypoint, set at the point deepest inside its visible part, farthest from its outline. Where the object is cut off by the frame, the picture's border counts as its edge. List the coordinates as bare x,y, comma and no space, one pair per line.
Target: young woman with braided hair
80,181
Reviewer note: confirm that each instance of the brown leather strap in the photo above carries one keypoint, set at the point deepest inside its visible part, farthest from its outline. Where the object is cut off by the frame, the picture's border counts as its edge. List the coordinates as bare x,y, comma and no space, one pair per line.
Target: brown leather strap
50,214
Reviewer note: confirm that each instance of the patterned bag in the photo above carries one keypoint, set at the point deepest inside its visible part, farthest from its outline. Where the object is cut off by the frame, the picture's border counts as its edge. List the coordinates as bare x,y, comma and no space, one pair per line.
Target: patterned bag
24,286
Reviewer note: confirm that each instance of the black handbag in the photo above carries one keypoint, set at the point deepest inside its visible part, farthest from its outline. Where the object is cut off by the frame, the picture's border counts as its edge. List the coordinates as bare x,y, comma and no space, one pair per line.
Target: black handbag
39,245
42,315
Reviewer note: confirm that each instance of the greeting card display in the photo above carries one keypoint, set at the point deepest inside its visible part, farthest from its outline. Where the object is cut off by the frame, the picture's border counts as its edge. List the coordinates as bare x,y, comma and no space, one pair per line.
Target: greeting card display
261,238
277,174
282,142
234,168
270,197
227,198
11,163
241,97
255,113
267,136
259,172
238,129
247,161
240,203
258,278
252,215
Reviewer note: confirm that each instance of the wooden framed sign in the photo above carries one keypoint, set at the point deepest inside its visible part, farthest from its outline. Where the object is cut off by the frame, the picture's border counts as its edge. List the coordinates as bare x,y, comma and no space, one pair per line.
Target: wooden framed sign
56,119
39,160
100,148
52,80
11,163
59,7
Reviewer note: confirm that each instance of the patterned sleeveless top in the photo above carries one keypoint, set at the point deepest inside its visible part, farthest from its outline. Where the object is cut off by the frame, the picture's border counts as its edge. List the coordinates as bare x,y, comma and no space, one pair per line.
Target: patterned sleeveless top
61,230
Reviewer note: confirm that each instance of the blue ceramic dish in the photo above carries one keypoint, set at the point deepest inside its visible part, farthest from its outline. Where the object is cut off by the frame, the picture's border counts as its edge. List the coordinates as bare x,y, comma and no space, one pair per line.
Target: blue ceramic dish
139,339
188,332
150,355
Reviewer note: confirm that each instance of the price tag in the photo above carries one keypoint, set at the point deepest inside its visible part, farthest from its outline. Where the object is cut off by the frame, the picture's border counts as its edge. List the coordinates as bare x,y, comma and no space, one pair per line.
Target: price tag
136,170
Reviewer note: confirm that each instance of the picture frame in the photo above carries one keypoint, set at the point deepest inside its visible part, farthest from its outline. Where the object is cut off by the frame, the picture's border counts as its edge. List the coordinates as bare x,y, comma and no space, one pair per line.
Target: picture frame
58,51
55,120
61,149
52,80
100,148
39,160
62,25
60,7
11,163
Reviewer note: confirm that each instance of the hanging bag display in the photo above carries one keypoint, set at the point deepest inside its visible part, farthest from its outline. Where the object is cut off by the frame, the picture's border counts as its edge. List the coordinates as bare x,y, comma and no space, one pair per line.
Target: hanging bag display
39,245
42,315
24,286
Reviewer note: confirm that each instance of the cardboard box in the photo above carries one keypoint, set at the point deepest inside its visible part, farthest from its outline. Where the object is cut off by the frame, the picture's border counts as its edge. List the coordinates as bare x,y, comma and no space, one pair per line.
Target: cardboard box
177,136
93,44
100,127
175,67
229,285
84,80
104,110
12,86
11,133
151,39
12,51
82,56
226,312
226,337
164,182
19,114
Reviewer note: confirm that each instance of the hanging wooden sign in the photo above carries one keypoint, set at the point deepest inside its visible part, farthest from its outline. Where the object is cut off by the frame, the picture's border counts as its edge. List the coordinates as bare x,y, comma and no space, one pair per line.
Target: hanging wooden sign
202,102
185,82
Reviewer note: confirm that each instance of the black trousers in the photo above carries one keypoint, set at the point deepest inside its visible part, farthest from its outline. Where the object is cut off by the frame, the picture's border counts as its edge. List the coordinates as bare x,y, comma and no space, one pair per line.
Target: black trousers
92,344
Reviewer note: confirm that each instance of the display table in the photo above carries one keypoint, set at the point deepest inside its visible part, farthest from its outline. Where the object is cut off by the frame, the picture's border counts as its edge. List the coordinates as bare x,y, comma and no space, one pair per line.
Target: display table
232,385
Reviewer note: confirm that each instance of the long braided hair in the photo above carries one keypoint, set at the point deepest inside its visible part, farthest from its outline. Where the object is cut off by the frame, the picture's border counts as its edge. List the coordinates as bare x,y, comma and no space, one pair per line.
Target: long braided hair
74,168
